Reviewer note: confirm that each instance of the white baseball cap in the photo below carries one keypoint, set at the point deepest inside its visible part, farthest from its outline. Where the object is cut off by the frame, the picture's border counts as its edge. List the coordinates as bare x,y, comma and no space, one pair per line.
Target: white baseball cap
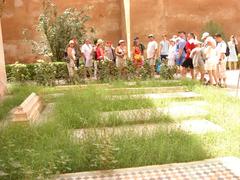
150,35
71,42
205,35
121,41
210,39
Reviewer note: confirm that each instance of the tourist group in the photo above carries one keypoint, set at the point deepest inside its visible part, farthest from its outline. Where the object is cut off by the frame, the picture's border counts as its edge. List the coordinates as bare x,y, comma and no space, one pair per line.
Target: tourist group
203,58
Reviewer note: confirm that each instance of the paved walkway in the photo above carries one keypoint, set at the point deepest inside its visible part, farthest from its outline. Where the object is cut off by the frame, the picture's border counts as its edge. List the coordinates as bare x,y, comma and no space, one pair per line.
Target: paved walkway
232,78
227,168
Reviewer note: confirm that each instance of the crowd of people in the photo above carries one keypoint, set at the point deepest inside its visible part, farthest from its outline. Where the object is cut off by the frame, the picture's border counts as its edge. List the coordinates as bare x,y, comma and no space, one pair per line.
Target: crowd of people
184,51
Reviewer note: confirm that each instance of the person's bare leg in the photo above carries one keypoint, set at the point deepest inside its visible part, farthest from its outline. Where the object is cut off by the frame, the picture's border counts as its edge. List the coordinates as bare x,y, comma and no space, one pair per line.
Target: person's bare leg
196,73
192,73
152,70
235,65
184,72
214,74
202,75
90,72
229,65
210,77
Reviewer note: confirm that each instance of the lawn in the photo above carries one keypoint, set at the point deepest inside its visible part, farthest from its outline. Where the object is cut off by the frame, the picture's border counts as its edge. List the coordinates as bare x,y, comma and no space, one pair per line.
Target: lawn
31,152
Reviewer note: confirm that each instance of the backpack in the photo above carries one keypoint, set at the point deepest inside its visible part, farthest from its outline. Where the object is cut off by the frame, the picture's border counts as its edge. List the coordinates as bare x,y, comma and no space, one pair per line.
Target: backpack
65,57
227,51
236,48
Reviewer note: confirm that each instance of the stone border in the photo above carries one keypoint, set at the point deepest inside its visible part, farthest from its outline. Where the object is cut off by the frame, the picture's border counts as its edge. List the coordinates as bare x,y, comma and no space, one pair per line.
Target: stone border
28,110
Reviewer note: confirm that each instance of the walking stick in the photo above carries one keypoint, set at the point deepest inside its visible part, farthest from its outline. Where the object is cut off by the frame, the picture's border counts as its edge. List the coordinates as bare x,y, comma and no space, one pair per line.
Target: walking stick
238,83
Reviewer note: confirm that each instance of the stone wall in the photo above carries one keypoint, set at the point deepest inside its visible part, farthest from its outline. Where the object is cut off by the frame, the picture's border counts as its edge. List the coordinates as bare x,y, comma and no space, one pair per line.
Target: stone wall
170,16
147,16
19,14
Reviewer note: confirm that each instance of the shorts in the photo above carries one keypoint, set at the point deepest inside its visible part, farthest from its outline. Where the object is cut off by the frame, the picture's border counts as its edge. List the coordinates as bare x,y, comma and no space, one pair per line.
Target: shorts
210,65
188,63
152,61
222,69
163,57
179,61
199,65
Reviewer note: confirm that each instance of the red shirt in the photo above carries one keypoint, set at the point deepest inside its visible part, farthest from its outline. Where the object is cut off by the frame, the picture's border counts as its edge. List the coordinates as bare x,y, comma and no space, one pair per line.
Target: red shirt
189,47
100,53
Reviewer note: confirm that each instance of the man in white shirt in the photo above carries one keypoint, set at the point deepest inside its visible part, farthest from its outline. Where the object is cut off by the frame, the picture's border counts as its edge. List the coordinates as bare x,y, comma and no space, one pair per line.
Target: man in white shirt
87,51
221,51
164,47
152,52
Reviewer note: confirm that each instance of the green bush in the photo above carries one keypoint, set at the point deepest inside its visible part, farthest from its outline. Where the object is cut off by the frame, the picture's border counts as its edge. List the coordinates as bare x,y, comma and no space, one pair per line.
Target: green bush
61,70
167,72
49,73
42,73
45,73
57,29
31,71
18,72
107,71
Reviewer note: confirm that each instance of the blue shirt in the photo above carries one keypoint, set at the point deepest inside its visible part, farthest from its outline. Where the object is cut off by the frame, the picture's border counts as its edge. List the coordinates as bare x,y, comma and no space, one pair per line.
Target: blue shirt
181,45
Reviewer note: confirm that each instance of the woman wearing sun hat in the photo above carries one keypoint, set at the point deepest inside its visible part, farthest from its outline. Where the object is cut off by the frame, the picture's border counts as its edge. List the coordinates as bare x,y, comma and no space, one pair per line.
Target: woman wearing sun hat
211,61
71,57
121,55
99,56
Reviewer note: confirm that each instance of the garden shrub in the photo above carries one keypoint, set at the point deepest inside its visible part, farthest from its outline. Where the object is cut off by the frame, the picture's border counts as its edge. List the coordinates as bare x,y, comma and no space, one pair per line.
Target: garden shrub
57,29
18,72
61,70
25,72
31,71
145,71
49,73
45,73
167,72
107,71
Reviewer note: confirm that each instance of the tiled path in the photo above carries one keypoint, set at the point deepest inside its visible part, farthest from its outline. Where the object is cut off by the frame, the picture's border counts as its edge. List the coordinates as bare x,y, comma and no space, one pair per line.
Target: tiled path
227,168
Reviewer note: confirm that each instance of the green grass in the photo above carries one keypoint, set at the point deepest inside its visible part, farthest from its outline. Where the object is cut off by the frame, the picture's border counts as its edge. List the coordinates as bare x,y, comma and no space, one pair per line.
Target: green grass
31,152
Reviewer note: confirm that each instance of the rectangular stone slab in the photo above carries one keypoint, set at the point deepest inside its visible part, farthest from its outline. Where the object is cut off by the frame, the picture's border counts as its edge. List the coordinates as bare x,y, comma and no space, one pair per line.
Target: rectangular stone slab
197,126
29,109
148,89
176,110
156,96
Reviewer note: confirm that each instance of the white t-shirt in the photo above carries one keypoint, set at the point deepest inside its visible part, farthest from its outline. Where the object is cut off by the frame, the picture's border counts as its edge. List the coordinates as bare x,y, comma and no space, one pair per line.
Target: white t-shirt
165,47
87,51
221,48
151,48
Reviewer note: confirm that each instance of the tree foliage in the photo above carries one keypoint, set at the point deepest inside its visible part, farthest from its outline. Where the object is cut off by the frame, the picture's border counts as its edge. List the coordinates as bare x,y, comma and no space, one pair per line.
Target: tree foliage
58,29
212,28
